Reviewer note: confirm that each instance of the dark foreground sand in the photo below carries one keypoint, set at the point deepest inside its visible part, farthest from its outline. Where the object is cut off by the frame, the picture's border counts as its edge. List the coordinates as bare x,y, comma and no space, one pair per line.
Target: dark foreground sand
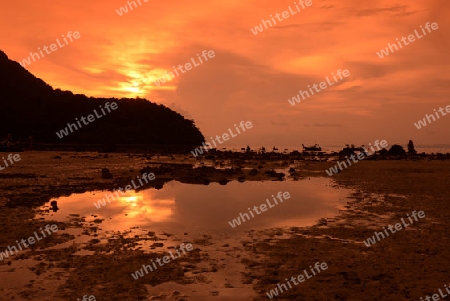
406,265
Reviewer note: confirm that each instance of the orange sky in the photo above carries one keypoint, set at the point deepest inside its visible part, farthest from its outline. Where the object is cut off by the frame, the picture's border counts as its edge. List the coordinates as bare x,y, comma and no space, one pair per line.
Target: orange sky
252,76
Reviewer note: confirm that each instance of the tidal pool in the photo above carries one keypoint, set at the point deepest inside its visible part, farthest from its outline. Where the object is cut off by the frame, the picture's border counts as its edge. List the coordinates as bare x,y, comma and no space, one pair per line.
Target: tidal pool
159,220
208,208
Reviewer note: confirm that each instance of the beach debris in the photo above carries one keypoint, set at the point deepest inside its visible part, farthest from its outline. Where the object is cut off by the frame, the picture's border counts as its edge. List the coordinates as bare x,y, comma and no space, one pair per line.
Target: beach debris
223,181
54,205
156,245
106,174
323,222
253,172
273,173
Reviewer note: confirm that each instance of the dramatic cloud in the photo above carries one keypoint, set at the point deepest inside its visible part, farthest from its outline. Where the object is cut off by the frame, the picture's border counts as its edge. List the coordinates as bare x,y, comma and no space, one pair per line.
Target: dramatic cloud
252,76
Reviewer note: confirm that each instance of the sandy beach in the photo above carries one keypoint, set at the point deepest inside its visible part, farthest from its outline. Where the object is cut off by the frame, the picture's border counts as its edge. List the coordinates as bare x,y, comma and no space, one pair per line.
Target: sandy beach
404,266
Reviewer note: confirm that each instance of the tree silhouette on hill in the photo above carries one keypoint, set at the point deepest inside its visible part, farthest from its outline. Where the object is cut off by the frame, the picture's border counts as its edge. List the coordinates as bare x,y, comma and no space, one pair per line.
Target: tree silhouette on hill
31,107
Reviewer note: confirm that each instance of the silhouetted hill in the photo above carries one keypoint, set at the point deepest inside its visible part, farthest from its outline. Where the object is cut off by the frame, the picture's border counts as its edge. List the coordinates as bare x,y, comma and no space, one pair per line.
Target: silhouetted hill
31,107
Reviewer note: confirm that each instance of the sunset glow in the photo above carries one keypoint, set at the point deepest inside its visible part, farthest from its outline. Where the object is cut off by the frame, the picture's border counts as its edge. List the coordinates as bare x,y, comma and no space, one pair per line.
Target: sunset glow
252,76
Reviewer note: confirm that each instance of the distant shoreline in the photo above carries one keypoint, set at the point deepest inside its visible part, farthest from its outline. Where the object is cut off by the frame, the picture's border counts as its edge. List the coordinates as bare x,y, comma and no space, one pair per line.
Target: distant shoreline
186,149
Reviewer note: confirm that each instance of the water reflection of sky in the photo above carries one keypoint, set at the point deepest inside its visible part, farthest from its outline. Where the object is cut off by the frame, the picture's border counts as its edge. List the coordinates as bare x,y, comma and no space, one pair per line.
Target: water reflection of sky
187,207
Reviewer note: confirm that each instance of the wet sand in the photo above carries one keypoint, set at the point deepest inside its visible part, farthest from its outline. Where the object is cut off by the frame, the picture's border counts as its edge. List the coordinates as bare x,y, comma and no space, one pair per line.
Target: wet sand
407,265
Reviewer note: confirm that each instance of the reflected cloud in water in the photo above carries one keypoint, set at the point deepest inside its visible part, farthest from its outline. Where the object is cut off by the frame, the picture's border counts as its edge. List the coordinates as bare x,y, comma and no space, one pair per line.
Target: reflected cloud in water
187,207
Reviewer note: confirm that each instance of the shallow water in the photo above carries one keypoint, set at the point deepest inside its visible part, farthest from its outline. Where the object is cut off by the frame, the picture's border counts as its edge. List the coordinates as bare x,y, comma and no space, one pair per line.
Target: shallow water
198,214
208,208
